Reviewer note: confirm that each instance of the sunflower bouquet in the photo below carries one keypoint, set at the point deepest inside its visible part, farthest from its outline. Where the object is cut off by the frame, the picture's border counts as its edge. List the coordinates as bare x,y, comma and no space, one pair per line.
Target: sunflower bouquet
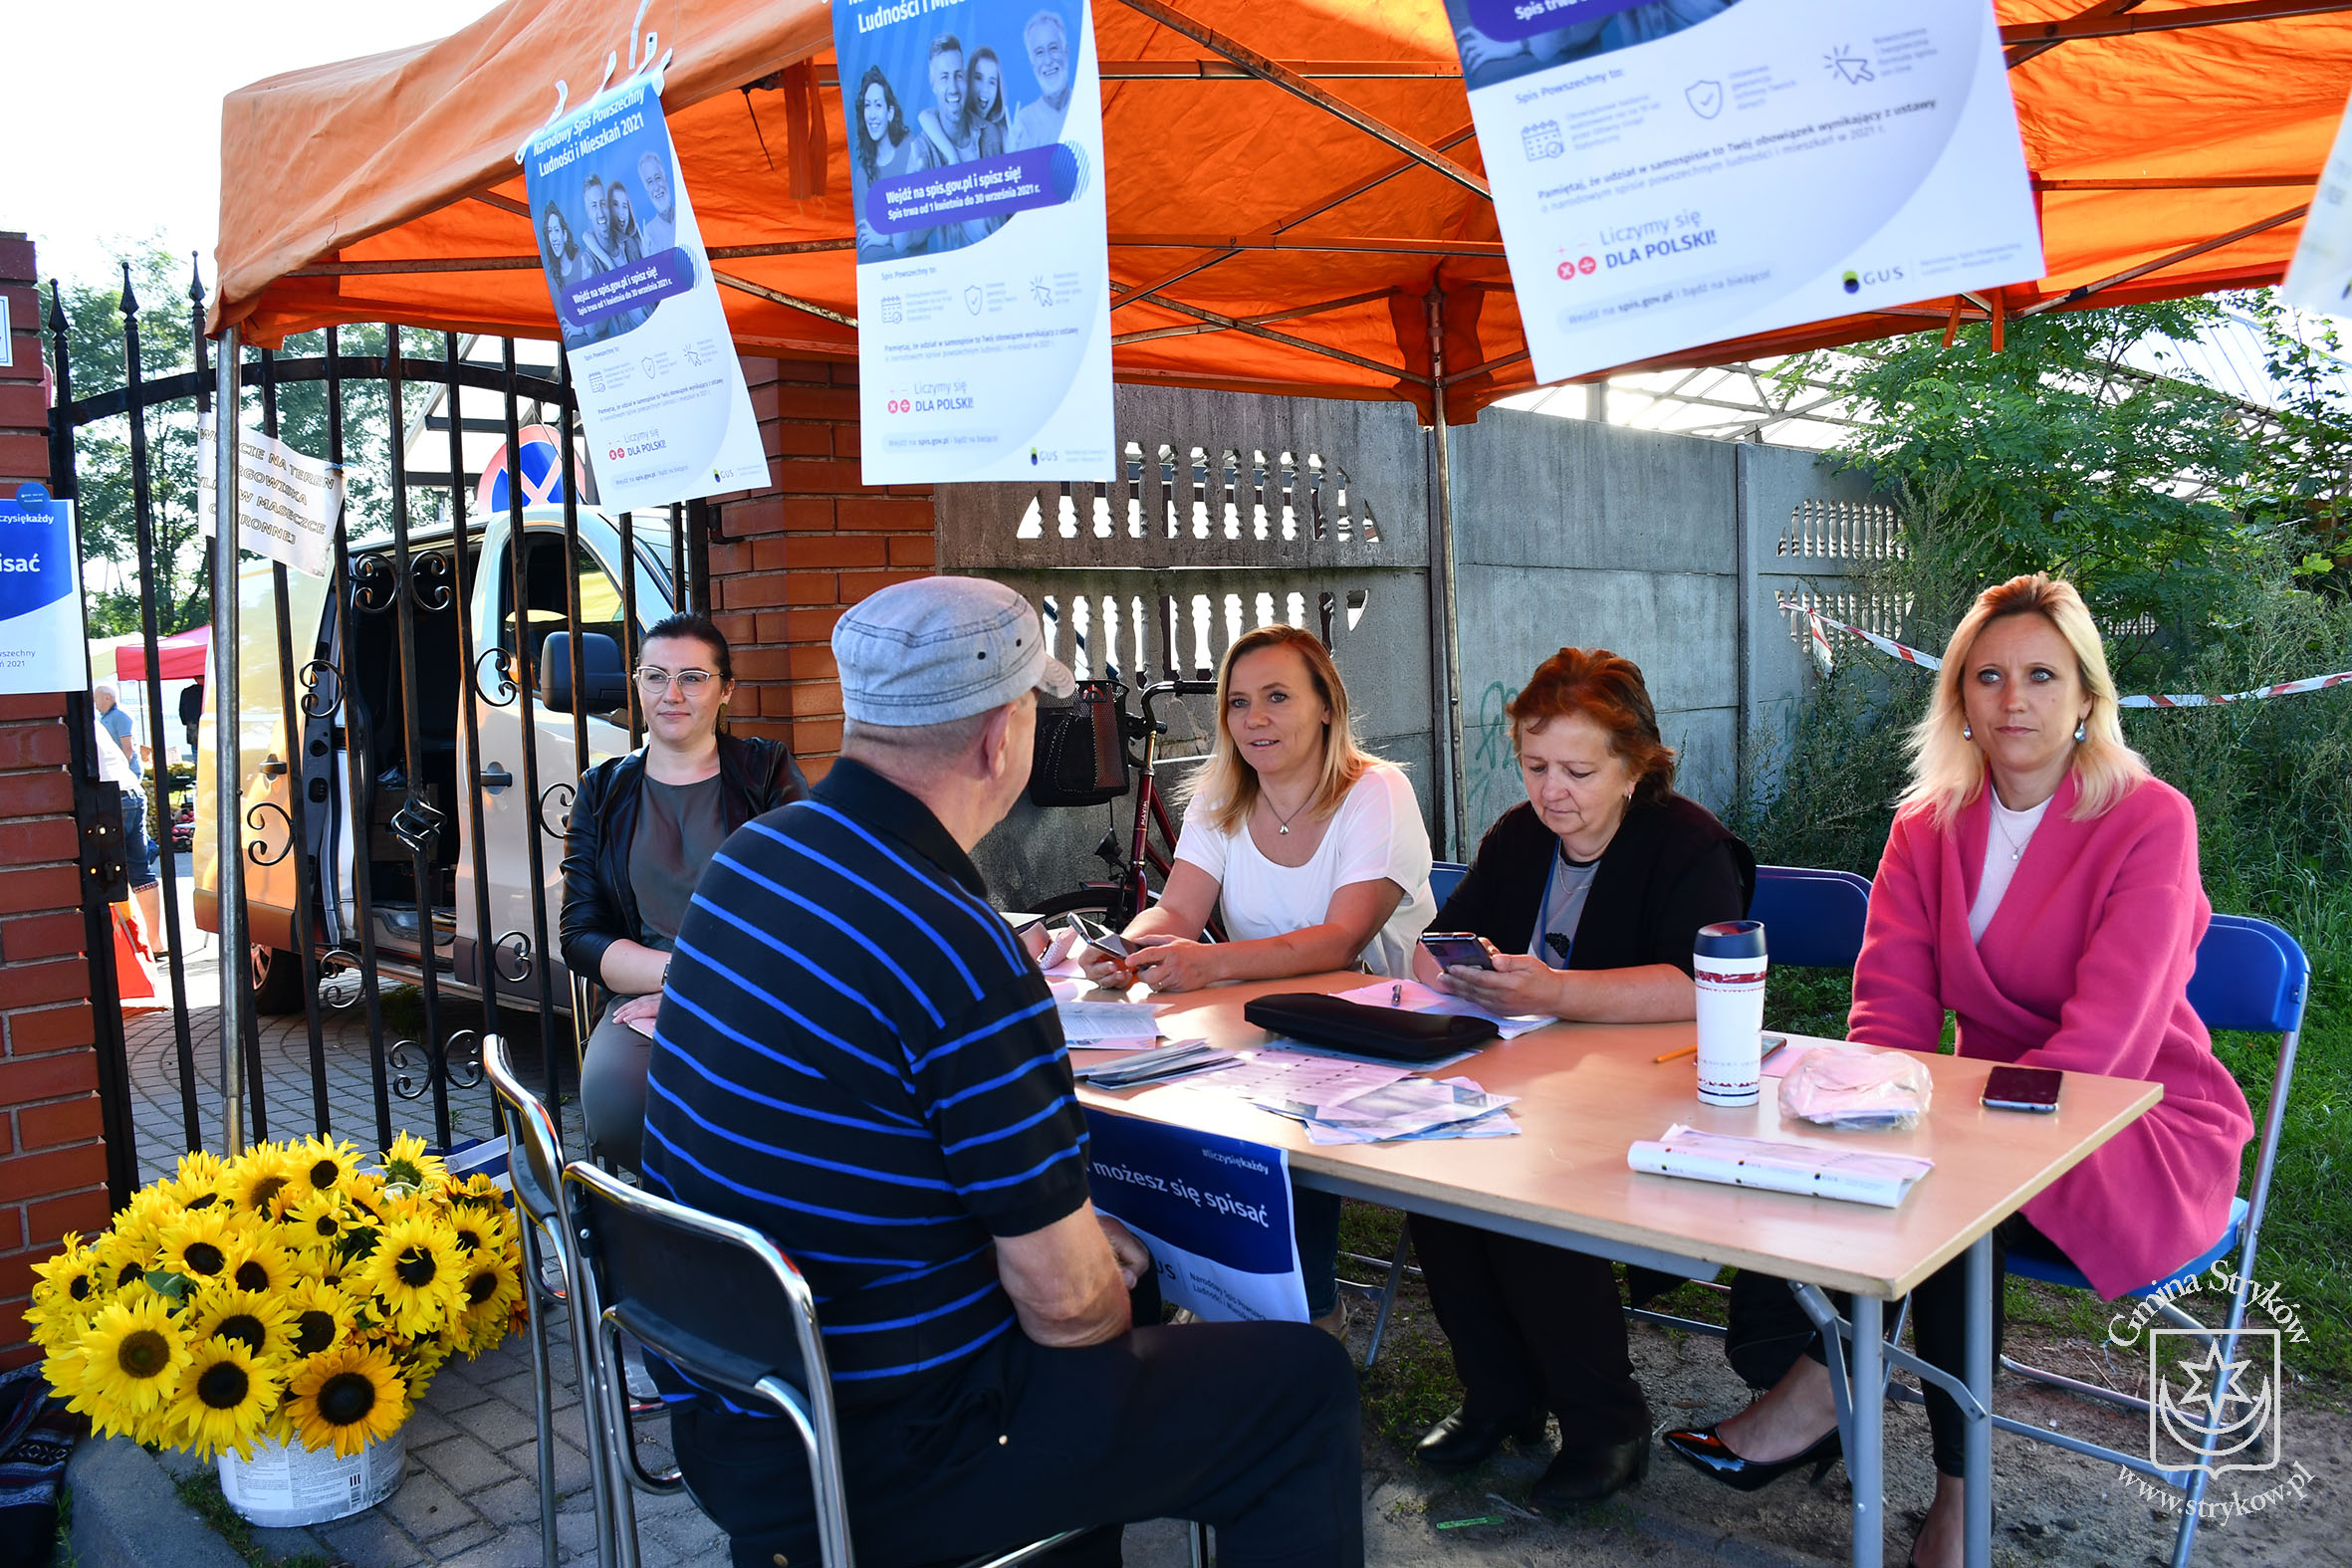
290,1295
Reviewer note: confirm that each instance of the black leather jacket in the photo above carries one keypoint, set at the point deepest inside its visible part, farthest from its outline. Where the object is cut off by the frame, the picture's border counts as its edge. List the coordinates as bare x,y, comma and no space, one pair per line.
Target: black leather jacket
599,905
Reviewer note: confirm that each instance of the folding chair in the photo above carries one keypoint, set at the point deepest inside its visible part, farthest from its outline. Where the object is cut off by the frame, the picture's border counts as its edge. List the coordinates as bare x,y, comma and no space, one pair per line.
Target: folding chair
534,1163
2252,976
1443,877
1812,919
719,1302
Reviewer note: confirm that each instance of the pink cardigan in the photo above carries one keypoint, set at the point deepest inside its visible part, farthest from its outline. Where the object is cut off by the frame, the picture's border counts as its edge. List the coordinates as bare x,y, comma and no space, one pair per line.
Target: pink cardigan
2085,968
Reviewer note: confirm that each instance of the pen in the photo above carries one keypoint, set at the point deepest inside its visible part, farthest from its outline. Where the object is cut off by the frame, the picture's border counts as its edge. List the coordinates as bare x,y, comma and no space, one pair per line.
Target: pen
1687,1051
1778,1040
1396,996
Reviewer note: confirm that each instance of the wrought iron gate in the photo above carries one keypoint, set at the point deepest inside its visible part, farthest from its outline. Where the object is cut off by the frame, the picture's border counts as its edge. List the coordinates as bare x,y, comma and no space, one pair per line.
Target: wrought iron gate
379,736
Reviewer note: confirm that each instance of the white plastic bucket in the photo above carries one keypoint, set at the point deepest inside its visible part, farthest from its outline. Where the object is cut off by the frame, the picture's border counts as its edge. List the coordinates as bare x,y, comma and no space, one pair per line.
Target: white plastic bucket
286,1484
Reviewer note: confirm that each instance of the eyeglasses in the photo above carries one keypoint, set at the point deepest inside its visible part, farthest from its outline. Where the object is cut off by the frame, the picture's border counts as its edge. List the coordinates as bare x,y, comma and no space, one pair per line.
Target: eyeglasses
691,682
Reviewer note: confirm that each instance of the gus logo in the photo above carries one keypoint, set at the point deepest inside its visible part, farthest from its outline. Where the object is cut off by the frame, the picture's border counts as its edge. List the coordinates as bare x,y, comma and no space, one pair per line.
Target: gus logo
1583,264
900,405
1873,275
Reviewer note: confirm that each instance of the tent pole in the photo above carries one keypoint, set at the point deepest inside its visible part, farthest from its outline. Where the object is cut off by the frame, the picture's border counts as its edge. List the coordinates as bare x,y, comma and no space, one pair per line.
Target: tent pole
228,841
1445,671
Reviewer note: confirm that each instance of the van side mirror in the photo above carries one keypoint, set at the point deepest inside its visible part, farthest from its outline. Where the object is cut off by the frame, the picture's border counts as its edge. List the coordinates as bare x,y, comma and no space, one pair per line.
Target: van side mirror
607,682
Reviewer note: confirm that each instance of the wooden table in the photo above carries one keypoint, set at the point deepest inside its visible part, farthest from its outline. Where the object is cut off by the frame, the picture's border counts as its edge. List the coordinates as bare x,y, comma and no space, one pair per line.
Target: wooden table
1587,1091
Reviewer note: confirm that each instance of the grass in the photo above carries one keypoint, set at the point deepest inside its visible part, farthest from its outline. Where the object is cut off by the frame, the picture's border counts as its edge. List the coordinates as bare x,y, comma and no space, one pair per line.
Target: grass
200,1491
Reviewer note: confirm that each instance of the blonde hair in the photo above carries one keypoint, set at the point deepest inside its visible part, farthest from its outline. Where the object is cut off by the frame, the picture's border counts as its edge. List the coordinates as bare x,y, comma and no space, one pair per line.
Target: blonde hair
1947,770
1225,788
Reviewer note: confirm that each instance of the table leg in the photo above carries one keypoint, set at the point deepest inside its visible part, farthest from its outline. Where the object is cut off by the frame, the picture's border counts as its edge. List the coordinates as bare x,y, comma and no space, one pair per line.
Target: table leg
1865,1443
1976,1541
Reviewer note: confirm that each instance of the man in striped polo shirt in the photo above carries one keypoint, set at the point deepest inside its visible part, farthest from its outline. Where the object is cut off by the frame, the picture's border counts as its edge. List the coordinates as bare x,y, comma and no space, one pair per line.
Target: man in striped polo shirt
855,1056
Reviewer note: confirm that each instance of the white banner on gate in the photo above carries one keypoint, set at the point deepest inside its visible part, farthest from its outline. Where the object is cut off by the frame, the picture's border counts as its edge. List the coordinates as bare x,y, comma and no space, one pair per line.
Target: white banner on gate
2321,276
287,504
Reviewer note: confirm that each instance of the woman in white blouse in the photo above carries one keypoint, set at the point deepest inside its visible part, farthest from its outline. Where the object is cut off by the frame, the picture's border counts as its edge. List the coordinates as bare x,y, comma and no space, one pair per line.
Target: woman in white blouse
1314,852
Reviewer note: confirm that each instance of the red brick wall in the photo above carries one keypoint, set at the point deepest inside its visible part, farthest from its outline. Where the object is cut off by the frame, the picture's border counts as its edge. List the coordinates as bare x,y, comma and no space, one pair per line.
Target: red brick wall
786,561
53,1162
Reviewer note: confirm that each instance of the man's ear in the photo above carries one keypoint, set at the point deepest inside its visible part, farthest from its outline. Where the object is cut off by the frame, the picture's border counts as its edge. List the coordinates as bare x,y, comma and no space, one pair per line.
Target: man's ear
996,743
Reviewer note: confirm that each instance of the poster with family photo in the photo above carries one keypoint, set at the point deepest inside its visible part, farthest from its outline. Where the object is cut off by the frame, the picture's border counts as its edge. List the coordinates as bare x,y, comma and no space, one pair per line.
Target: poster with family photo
1676,172
975,137
661,395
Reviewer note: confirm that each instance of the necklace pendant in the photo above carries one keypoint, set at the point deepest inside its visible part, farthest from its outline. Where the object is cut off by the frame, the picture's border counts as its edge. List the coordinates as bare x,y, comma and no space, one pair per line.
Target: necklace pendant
1284,829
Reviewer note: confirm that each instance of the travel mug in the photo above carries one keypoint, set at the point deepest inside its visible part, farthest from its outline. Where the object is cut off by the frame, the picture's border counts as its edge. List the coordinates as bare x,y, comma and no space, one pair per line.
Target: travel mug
1729,966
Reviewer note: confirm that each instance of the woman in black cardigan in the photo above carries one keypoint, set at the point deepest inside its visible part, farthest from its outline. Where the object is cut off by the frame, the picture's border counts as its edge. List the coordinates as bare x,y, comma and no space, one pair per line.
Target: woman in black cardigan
642,829
1588,897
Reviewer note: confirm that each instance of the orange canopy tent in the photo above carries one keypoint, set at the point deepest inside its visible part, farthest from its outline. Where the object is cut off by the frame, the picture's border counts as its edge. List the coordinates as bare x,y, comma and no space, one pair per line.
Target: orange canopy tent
1288,180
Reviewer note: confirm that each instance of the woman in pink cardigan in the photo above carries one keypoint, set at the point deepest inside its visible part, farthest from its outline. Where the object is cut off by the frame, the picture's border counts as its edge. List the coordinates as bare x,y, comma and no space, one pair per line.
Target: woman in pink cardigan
2057,914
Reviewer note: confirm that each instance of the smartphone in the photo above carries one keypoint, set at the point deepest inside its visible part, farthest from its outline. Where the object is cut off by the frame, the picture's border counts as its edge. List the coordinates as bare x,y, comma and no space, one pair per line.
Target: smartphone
1102,938
1456,950
2023,1088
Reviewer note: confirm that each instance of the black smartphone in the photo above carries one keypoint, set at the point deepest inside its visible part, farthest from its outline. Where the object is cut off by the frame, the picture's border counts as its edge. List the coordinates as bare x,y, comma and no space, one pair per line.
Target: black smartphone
1101,936
1456,950
2023,1088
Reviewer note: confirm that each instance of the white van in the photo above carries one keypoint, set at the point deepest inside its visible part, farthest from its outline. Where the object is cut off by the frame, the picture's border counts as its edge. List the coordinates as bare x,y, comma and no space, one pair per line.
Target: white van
349,851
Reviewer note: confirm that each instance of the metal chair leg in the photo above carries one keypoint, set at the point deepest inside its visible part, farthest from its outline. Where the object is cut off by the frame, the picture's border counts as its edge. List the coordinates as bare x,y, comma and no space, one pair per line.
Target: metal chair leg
1196,1538
1396,1274
540,1372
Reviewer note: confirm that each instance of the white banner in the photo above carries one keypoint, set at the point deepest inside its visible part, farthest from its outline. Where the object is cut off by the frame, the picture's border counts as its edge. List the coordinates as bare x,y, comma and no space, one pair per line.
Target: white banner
41,643
1681,172
2321,276
653,364
1213,1210
287,504
983,265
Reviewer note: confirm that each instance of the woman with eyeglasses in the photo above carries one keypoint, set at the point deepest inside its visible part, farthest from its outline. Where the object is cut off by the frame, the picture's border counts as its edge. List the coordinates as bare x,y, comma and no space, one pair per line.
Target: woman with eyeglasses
642,829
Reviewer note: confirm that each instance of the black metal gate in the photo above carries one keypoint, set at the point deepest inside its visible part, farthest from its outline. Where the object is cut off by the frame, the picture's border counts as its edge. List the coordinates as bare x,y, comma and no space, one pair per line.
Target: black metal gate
374,797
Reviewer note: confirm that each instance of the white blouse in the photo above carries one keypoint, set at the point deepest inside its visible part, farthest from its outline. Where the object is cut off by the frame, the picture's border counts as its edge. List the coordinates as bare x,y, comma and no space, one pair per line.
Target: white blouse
2006,833
1377,834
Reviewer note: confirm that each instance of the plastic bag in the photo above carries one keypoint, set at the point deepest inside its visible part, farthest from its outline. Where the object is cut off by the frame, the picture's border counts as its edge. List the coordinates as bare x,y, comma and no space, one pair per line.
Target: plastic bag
1858,1088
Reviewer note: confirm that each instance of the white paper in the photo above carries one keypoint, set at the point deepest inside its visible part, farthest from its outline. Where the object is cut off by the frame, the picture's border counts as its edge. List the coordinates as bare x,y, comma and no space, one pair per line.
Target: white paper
1687,172
982,260
1083,1022
662,394
1292,1075
1409,1108
287,504
1410,995
1810,1169
2321,276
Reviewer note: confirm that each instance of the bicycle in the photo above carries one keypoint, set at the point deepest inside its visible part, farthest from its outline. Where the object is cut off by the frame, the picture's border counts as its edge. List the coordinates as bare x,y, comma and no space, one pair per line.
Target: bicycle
1130,890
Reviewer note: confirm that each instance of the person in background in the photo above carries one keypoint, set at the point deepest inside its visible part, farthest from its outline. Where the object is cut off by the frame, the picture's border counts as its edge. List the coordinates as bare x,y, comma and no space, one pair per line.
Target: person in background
626,242
642,829
1588,897
2042,885
565,265
948,133
988,92
1312,850
1039,124
192,712
106,697
854,1056
661,223
595,211
120,734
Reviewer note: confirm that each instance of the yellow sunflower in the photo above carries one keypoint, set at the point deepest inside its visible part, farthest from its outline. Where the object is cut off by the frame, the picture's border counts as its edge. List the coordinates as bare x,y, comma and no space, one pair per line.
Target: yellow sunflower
225,1398
478,1229
323,1317
263,1324
255,1179
122,1264
478,1191
406,1164
133,1355
260,1266
68,1288
415,1273
345,1399
315,1223
198,1181
199,1245
491,1287
322,1165
364,1193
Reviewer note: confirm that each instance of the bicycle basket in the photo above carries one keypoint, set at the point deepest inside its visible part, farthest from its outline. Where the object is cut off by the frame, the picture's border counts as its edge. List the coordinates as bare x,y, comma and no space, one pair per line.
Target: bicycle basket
1079,759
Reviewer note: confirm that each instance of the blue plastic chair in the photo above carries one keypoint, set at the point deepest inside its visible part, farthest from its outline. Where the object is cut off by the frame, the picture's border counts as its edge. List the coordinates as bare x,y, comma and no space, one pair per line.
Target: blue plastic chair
1811,918
2251,978
1443,877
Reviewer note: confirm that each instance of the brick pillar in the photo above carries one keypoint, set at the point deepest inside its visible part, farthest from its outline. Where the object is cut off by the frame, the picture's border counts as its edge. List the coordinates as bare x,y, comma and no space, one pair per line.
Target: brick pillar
786,561
53,1160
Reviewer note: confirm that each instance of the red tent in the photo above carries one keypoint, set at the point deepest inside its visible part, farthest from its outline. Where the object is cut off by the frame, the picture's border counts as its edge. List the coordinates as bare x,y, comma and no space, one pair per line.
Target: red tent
183,657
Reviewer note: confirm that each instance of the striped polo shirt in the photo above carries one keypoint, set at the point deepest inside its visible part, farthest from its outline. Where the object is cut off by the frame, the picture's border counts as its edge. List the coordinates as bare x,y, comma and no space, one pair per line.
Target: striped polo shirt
855,1056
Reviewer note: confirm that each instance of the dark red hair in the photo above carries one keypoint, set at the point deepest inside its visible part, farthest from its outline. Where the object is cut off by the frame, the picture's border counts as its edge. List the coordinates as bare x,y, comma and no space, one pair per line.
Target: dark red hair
1608,690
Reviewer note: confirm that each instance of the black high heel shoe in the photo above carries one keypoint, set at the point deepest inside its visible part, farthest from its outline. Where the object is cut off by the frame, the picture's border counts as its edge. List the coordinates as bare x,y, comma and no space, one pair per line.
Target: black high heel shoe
1713,1456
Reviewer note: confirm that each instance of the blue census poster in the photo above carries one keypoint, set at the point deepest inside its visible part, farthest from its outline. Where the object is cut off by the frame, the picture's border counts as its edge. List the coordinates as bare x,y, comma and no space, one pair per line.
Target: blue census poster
41,648
661,393
975,134
1215,1212
1670,174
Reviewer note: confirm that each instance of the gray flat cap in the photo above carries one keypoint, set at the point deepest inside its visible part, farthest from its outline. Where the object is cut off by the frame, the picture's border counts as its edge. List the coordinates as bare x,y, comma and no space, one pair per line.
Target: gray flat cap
939,649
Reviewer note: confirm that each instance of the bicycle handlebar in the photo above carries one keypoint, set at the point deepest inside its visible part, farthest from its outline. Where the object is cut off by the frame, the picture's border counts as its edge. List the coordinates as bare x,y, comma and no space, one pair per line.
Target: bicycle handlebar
1137,726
